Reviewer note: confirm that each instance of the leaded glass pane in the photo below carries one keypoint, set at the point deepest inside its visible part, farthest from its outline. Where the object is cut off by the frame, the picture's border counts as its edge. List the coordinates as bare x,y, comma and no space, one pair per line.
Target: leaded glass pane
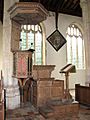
31,37
69,49
80,60
30,40
75,31
36,28
75,47
71,31
74,55
28,27
25,27
38,47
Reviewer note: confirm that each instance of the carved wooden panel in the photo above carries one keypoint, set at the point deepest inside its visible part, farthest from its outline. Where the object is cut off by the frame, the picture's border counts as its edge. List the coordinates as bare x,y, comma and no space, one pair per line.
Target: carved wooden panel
22,64
82,94
1,111
1,102
28,13
42,71
15,36
46,89
57,89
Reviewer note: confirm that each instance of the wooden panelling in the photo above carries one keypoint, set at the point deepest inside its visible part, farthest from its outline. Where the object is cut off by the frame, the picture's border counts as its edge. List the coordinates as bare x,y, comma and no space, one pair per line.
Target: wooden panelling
22,63
46,89
15,36
1,102
42,71
82,94
1,111
28,13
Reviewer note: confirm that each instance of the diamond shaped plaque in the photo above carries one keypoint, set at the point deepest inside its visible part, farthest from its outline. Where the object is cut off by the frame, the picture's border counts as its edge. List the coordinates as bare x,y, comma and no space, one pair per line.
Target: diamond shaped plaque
56,39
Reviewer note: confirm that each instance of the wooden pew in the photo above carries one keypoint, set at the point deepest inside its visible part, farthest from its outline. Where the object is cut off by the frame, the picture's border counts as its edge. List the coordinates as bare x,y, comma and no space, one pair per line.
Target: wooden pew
1,103
2,100
82,94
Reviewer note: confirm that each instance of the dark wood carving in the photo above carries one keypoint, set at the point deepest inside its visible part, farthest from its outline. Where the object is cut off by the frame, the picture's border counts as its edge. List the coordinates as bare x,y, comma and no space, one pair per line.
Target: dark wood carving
46,89
22,63
1,100
28,13
69,68
82,94
15,36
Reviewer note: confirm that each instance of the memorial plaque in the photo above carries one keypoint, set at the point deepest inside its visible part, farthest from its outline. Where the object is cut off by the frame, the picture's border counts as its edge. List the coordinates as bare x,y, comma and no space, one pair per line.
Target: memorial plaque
56,39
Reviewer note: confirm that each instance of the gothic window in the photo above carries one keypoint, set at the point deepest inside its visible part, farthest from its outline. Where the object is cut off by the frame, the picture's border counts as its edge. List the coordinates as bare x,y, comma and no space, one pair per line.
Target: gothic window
75,47
32,38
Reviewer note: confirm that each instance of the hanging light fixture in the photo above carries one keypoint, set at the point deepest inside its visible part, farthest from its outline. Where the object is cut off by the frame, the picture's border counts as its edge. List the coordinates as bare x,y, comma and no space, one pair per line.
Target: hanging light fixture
28,13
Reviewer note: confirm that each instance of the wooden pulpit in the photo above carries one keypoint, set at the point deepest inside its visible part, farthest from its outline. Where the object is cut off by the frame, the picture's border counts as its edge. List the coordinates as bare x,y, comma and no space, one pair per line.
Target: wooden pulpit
22,63
69,68
22,67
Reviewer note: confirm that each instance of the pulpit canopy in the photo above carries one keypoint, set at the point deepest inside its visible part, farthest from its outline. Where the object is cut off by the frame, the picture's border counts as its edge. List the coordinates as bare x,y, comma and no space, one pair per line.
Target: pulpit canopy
28,13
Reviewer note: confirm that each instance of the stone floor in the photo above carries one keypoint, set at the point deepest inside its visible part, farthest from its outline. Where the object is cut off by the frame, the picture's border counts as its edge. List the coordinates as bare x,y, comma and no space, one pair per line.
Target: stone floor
28,112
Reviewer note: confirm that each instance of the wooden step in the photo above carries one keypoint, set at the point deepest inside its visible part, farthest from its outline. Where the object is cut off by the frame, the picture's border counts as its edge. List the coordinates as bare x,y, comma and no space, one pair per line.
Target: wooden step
63,109
59,109
46,111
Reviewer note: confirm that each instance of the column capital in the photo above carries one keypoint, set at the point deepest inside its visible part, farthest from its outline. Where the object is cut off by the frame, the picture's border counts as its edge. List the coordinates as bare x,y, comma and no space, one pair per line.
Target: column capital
83,1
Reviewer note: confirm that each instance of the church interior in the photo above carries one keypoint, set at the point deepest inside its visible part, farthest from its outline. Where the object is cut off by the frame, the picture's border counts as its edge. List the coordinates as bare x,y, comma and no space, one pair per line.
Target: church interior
44,60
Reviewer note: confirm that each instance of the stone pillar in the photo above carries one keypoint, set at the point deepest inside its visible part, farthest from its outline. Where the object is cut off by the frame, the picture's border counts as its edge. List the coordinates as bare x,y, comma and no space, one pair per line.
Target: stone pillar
10,83
85,5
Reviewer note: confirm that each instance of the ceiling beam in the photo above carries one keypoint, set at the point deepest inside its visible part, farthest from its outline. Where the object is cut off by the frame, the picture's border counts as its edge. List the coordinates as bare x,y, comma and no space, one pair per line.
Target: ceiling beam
69,4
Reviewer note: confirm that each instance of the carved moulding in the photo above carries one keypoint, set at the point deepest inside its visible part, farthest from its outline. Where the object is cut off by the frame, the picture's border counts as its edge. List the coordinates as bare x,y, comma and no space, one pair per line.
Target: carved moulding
28,13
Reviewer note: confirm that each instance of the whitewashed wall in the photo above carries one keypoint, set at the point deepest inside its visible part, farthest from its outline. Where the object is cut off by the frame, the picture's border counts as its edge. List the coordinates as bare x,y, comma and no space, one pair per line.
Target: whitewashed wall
59,58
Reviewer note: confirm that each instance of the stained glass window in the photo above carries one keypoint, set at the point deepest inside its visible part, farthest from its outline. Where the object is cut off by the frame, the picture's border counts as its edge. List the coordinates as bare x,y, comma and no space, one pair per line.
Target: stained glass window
75,47
32,37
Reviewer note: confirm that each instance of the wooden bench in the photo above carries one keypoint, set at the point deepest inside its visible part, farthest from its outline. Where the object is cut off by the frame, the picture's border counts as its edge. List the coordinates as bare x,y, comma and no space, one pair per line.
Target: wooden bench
1,105
82,94
2,100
